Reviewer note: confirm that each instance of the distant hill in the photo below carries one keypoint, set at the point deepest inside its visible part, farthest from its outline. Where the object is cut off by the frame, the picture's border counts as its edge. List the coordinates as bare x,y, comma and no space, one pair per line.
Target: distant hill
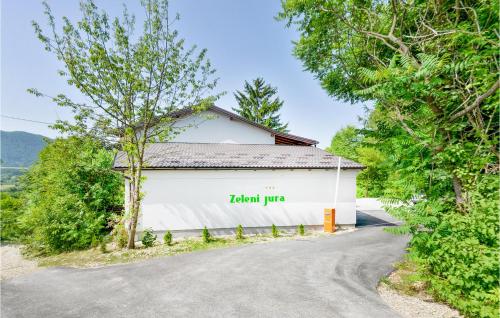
20,148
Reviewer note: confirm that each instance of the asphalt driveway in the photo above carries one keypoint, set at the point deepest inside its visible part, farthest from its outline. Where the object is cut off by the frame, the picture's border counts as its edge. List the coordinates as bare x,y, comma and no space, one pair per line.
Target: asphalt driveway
314,277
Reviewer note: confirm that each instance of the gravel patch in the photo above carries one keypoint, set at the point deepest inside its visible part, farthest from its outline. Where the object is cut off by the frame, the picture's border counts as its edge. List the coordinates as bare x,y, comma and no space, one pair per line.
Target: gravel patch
13,264
411,307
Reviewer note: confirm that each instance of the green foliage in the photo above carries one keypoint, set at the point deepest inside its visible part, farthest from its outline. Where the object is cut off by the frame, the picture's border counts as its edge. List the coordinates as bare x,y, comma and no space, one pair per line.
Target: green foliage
103,245
372,180
148,238
408,278
256,103
70,195
301,230
345,142
460,251
350,143
275,231
10,212
167,238
205,235
131,83
120,235
433,129
239,232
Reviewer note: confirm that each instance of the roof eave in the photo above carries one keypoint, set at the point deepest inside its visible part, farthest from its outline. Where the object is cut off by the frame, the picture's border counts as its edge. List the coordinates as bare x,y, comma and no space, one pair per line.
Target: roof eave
184,112
239,168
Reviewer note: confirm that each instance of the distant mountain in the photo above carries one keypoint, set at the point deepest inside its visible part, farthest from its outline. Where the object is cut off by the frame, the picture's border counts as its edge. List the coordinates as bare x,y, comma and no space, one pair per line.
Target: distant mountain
20,148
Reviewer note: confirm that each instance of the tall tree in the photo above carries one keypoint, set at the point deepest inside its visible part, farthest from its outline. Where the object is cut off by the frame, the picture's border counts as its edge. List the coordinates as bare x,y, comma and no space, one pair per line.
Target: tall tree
345,142
432,69
131,83
430,65
258,104
350,143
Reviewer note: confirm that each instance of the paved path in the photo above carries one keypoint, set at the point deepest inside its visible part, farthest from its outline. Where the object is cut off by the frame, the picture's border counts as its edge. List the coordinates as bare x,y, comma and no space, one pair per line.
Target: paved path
317,277
12,263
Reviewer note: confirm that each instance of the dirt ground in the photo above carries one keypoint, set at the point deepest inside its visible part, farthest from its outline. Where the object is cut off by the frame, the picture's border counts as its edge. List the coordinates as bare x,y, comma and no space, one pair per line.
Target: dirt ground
12,264
418,305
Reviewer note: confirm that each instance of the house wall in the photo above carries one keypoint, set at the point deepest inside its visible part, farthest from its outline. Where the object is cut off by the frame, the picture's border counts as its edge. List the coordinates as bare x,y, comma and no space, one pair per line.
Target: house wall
210,127
183,200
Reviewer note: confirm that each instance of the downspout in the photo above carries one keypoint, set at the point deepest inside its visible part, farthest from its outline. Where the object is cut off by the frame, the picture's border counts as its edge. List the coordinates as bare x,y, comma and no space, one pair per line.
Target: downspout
337,185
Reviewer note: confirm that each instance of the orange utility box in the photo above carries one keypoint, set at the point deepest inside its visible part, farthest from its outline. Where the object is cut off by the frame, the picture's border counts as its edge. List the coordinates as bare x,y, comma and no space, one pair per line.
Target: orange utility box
329,220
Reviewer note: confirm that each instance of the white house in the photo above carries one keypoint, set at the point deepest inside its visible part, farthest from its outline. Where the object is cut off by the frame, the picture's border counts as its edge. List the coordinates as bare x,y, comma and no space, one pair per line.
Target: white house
224,170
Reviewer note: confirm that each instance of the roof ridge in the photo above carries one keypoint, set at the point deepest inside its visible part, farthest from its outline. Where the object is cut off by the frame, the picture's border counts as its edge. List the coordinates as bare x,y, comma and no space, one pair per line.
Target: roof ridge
226,143
188,110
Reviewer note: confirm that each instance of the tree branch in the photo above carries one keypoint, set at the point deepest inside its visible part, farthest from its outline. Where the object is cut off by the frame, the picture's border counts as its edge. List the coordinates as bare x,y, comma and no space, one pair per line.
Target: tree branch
477,102
410,131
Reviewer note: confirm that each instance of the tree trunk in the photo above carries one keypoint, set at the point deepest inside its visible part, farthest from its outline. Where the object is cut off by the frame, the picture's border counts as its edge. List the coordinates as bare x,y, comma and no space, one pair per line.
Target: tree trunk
135,207
457,188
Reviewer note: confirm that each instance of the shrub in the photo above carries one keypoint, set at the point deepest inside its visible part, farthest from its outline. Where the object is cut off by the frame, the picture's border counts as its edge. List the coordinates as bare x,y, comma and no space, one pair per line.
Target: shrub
167,238
70,195
239,232
102,245
67,224
300,230
205,234
275,231
148,238
120,235
459,252
10,210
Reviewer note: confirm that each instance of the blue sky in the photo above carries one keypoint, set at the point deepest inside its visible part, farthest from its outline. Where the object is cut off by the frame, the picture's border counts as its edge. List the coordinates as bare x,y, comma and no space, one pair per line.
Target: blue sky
243,41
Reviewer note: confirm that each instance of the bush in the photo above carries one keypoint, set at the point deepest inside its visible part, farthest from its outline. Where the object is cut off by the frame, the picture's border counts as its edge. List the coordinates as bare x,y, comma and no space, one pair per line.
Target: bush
300,230
459,252
70,195
103,245
167,238
276,232
120,235
239,232
464,251
205,235
67,224
148,238
10,211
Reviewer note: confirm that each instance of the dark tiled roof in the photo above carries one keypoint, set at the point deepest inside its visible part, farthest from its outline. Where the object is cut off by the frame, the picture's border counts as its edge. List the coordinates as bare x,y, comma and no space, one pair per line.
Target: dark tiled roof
232,156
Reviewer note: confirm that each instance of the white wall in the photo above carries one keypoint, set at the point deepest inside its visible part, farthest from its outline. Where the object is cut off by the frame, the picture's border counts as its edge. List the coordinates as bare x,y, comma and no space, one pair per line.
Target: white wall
210,127
192,199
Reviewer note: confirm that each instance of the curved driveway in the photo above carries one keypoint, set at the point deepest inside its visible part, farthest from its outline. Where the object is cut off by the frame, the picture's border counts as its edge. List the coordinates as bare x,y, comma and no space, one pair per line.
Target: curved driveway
313,277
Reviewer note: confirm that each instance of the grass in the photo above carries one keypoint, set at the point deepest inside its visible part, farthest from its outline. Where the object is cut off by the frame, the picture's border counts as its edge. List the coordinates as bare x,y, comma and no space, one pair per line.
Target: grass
411,280
95,257
407,279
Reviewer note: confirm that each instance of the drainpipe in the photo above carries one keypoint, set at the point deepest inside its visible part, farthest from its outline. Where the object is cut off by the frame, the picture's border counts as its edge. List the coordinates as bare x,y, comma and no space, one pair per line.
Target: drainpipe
337,185
329,213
